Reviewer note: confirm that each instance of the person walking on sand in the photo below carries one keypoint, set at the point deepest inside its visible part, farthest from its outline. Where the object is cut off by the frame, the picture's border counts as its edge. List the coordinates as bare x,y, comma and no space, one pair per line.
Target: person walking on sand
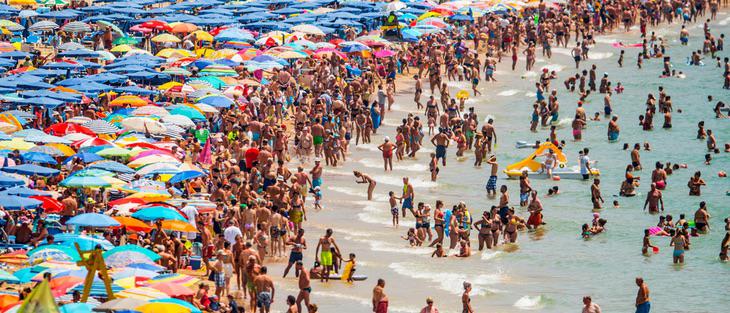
387,148
365,179
380,299
643,302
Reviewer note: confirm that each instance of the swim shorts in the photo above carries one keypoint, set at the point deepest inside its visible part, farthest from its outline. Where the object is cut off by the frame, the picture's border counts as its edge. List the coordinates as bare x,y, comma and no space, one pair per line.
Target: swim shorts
643,308
316,182
492,183
318,140
441,152
407,203
263,300
325,257
295,256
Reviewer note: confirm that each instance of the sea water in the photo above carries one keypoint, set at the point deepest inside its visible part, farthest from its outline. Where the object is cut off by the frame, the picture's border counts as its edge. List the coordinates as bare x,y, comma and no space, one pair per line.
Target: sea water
550,270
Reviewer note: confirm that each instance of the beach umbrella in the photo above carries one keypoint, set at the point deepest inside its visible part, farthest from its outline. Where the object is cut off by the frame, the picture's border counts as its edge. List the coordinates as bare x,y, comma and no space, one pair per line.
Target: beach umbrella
62,129
120,304
384,53
101,127
143,124
79,307
182,27
123,252
51,149
112,166
158,213
85,157
191,113
85,242
125,40
10,25
128,100
218,70
92,142
143,294
70,45
43,26
76,27
185,175
162,38
16,203
181,226
16,144
78,181
217,101
308,29
155,307
24,191
49,204
114,152
53,252
38,157
172,290
132,223
98,289
122,48
150,110
177,71
186,304
31,169
288,55
9,181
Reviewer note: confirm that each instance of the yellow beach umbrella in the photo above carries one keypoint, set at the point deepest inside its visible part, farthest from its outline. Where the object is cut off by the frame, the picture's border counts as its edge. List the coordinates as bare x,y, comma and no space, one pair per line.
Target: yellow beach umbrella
429,14
202,35
204,52
150,196
166,38
223,53
22,2
134,101
292,55
122,48
16,143
168,85
66,150
177,53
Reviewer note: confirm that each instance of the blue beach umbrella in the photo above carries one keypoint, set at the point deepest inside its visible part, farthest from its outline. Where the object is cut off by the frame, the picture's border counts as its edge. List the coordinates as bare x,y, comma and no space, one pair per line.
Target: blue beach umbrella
38,157
185,175
112,166
23,191
93,220
16,203
31,169
85,157
79,307
157,213
9,181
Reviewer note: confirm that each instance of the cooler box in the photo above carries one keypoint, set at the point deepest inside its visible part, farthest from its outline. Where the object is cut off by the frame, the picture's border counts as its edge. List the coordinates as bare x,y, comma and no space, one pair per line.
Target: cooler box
195,262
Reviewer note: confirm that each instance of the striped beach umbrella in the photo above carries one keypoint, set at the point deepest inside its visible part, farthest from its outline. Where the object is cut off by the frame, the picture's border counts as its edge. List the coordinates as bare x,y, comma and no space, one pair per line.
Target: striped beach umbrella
101,127
218,70
43,26
77,27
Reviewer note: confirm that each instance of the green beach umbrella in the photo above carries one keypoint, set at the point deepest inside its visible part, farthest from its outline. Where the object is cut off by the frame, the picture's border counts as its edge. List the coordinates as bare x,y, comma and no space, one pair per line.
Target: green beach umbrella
191,113
126,40
114,152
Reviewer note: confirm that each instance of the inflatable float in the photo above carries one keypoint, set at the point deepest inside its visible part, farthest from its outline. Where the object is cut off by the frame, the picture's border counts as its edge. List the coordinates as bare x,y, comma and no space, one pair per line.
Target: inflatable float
622,45
533,166
522,144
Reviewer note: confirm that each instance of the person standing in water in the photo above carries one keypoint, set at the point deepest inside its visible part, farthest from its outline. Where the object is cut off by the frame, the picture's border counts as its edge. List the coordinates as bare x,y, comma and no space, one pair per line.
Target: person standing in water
380,299
441,141
366,179
408,197
643,302
387,148
325,257
613,129
466,300
654,199
596,197
492,182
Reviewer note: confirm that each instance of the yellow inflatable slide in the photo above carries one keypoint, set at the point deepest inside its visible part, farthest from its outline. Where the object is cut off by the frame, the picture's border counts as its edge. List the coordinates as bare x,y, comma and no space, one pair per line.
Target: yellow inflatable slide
515,170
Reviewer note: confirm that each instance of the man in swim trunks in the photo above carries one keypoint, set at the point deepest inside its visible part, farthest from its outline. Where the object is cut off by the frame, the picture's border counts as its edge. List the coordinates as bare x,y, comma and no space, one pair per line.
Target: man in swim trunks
408,197
316,173
318,137
325,257
305,287
380,299
265,291
613,129
441,141
492,183
298,245
643,304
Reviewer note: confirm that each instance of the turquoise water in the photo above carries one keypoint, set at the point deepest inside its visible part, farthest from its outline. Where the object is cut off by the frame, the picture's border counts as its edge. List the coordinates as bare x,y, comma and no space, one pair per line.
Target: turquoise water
551,270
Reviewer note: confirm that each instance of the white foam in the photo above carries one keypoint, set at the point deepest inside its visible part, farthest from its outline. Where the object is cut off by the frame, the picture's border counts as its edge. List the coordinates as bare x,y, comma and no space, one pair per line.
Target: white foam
529,74
348,191
448,281
396,165
603,39
403,248
530,94
599,55
508,92
554,67
368,146
724,21
375,215
459,84
530,303
398,181
489,254
363,301
563,51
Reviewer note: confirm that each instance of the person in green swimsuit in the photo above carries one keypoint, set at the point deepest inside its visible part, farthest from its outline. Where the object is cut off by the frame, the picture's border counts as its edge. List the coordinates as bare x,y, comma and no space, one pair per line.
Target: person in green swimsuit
325,257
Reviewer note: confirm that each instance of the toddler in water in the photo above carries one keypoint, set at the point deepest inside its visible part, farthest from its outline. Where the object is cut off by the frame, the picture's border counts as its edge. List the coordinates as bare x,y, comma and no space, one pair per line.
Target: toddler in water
619,88
412,238
317,198
352,270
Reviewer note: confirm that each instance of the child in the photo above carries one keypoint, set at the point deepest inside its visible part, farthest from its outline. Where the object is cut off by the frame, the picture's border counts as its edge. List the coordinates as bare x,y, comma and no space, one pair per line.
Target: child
393,207
596,117
647,146
317,198
433,167
615,204
708,159
412,238
647,243
619,88
352,269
